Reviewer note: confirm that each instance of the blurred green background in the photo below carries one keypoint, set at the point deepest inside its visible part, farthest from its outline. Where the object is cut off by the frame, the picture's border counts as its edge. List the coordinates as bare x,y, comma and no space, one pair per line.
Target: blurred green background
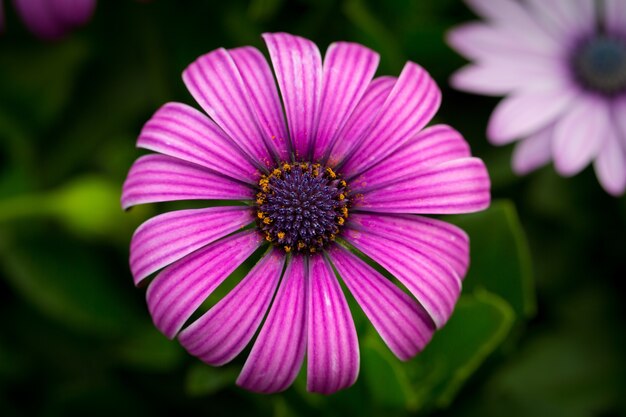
529,338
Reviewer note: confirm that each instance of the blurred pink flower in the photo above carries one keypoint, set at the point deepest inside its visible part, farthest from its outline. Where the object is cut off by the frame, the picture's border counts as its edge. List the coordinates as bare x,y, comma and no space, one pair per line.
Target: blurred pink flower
52,19
562,66
347,164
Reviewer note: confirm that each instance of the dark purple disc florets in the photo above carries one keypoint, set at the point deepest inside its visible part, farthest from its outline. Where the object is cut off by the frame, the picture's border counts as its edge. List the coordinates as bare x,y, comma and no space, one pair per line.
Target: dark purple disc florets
599,64
301,207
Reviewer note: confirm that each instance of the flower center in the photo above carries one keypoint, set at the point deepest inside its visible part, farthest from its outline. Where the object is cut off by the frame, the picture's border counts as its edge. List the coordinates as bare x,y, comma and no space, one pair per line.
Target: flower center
600,64
302,207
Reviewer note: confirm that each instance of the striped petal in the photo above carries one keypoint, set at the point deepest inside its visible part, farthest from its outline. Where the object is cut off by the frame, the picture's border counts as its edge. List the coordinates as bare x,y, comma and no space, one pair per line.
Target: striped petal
432,282
580,134
278,352
526,112
610,165
361,119
225,330
401,322
432,146
411,104
179,290
264,99
333,348
214,81
298,66
348,70
183,132
429,236
458,186
168,237
157,178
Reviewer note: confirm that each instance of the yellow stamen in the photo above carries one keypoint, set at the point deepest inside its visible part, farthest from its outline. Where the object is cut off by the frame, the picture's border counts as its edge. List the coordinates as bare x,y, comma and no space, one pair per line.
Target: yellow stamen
301,245
341,221
267,220
281,235
287,248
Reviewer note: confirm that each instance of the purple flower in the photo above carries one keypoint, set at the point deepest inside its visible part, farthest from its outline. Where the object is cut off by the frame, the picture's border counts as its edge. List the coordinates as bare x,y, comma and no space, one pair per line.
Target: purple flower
52,19
347,165
562,65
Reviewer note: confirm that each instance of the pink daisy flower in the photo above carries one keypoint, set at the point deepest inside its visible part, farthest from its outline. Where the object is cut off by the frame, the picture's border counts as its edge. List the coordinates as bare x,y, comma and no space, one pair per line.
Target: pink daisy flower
52,19
562,65
347,165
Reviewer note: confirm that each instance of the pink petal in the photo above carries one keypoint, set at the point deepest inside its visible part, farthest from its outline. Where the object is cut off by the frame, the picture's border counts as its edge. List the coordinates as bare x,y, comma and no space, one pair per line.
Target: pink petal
157,178
168,237
347,72
264,99
432,282
488,43
580,134
401,322
278,352
533,152
40,18
179,290
566,20
458,186
225,330
526,112
298,66
619,110
430,236
610,165
333,348
361,118
74,12
432,146
214,81
508,76
183,132
411,104
515,17
615,16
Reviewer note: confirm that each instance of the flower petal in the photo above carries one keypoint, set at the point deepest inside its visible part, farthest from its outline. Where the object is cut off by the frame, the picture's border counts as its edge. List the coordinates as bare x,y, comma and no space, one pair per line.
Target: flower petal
566,20
432,282
74,12
432,146
610,165
533,152
214,81
347,72
157,178
298,66
278,352
526,112
168,237
333,348
179,290
515,17
40,18
361,118
619,110
411,104
579,135
225,330
508,76
264,99
183,132
615,16
401,322
458,186
442,239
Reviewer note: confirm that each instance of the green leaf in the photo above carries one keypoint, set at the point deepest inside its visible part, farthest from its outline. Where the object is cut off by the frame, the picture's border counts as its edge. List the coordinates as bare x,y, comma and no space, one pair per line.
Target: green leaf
384,374
478,326
205,380
500,257
67,281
